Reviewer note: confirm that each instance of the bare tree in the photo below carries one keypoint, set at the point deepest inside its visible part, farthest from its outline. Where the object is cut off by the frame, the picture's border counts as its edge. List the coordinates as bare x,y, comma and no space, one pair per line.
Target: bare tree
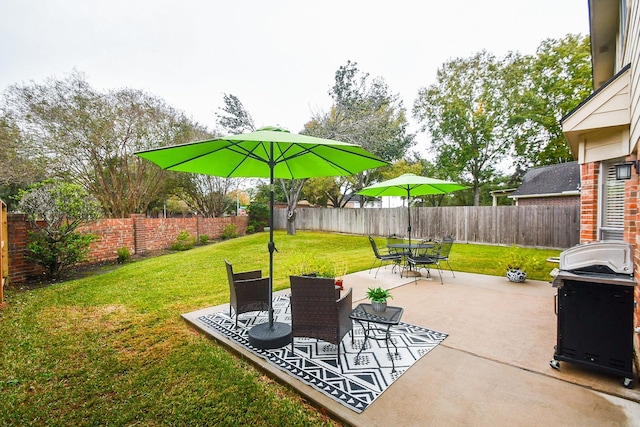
89,137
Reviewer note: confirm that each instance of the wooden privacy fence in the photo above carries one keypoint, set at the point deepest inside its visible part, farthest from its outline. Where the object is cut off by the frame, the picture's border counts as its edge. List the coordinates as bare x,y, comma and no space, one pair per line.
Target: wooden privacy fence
543,226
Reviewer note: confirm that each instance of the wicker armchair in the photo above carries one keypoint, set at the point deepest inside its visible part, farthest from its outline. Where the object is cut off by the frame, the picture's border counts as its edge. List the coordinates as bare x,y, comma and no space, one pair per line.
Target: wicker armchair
249,291
315,312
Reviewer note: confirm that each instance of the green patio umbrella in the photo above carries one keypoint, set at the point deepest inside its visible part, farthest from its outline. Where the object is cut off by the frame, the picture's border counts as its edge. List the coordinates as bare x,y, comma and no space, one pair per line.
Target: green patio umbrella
409,185
271,153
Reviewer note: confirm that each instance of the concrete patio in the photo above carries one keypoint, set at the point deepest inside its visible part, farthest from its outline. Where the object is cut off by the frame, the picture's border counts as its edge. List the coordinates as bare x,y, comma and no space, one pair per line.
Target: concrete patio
493,368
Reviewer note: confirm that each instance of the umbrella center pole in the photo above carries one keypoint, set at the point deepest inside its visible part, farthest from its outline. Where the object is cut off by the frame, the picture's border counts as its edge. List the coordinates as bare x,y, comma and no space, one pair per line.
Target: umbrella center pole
271,334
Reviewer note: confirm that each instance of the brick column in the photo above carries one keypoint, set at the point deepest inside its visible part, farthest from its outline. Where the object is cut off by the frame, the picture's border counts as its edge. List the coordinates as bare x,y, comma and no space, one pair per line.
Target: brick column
140,234
589,202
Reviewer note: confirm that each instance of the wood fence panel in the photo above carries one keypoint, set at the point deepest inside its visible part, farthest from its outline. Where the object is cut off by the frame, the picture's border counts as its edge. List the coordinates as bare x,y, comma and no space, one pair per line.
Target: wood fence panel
537,226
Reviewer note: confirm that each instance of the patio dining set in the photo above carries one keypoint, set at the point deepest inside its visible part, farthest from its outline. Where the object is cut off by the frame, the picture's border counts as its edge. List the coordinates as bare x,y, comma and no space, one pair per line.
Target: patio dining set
319,309
409,258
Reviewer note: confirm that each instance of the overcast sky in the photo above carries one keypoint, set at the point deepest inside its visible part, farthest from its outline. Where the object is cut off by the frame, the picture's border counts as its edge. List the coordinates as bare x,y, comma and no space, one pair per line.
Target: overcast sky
278,57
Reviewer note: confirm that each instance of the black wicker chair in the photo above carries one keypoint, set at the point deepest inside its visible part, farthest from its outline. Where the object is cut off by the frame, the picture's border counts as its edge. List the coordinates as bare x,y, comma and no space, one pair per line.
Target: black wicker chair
315,312
249,291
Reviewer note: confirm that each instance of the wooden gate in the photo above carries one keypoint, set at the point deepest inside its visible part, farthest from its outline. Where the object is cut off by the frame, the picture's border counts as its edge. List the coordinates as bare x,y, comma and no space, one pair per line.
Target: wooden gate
4,250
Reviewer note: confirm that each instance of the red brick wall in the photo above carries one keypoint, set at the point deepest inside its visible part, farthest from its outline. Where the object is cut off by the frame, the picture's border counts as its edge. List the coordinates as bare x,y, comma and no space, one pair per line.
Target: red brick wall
554,201
589,202
114,234
138,233
20,266
589,218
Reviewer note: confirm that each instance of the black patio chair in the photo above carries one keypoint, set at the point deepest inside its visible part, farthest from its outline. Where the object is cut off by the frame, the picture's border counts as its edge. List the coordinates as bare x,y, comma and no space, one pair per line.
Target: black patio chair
396,258
249,291
444,249
318,312
425,260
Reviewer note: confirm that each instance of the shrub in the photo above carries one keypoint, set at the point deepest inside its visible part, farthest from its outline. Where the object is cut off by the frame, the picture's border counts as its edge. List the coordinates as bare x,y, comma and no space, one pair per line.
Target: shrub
258,215
55,210
59,253
183,242
250,229
204,239
230,232
123,255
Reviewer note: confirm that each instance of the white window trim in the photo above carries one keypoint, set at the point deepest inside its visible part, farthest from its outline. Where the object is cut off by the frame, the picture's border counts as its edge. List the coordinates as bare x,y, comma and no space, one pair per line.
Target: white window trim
607,173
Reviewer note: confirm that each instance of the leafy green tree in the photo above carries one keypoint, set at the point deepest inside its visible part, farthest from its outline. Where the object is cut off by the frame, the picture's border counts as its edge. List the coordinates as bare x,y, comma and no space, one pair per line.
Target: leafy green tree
558,78
317,190
89,137
364,112
19,166
55,210
467,113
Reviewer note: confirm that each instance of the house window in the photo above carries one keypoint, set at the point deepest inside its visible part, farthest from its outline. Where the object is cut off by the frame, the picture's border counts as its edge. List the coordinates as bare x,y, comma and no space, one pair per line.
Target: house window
612,203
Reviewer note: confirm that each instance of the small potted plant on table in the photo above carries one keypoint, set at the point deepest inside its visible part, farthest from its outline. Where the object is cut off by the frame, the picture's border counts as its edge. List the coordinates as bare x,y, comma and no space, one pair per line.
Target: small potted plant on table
378,297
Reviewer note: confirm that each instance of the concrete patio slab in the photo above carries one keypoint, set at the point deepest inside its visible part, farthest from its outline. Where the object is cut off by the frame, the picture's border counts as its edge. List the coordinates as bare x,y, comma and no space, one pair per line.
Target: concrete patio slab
493,368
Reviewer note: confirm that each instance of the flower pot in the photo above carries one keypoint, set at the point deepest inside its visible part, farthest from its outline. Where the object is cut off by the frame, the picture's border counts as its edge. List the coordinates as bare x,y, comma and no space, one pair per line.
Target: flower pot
379,306
516,275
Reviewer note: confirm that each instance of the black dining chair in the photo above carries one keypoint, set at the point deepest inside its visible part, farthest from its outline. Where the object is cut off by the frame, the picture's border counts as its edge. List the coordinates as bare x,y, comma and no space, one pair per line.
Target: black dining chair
390,257
444,250
425,260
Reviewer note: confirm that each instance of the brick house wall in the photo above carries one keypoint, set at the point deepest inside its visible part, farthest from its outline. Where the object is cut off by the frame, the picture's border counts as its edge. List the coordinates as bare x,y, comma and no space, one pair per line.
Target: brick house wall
138,233
589,202
553,201
589,223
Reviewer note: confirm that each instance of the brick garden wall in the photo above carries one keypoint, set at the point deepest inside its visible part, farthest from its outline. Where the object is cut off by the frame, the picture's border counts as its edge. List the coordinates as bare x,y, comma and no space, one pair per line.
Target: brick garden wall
138,233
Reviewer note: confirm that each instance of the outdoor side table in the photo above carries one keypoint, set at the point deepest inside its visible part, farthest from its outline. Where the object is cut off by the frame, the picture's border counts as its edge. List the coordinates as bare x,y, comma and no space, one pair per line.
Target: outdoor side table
378,324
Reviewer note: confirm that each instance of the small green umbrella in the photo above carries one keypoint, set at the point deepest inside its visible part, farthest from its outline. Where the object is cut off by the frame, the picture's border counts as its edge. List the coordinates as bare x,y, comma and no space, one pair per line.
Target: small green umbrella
409,185
271,153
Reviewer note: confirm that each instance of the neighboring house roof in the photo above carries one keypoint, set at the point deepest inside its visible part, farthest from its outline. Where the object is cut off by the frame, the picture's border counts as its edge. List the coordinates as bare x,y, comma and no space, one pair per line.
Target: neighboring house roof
562,179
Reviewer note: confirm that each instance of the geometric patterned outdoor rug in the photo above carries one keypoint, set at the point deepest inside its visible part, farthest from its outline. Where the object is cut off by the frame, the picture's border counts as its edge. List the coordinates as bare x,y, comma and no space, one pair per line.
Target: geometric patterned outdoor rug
315,362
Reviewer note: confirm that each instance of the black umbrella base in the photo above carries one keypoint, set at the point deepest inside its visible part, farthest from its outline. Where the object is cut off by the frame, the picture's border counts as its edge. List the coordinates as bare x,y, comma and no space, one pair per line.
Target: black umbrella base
265,337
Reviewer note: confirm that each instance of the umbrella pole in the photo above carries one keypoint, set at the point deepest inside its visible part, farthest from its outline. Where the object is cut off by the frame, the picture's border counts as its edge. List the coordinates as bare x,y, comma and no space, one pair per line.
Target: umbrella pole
271,334
409,211
272,245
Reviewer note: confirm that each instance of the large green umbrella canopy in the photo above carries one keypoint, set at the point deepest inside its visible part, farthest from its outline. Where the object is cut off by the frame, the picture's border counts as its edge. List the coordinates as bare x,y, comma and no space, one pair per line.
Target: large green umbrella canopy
250,155
266,153
410,185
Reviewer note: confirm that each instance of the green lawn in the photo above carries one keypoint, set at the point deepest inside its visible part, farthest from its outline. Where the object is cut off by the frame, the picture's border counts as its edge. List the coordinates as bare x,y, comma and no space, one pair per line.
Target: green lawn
111,349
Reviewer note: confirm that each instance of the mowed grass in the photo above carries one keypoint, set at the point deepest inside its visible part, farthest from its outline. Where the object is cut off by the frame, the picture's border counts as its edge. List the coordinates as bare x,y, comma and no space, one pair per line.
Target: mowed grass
111,349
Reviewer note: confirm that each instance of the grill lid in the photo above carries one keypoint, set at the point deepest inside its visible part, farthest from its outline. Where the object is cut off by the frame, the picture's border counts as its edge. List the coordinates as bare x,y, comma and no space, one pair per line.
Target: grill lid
604,256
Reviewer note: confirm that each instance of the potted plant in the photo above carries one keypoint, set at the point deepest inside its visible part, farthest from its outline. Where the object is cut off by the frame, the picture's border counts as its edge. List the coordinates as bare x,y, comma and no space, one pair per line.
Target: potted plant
378,297
340,270
517,262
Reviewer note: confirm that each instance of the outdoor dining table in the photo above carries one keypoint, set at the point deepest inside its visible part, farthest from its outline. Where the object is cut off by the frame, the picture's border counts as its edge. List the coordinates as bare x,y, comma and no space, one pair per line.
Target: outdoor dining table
411,249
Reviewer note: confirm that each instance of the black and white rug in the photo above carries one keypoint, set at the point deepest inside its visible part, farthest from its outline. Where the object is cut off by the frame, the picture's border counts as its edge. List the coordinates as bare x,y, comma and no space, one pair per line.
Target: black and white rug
315,362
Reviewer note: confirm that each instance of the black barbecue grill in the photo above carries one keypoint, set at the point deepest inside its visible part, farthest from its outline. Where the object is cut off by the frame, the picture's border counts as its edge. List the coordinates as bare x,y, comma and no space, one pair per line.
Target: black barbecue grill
594,306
